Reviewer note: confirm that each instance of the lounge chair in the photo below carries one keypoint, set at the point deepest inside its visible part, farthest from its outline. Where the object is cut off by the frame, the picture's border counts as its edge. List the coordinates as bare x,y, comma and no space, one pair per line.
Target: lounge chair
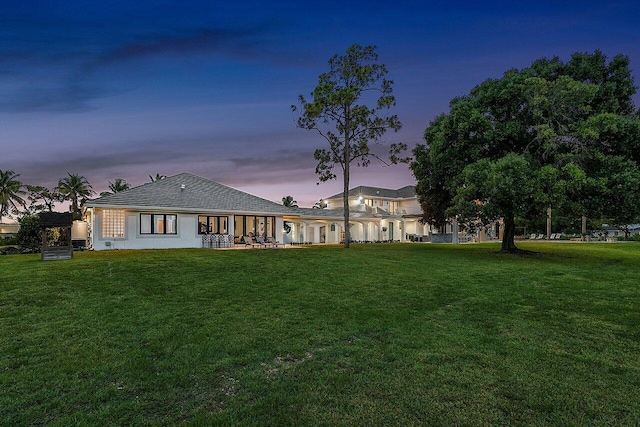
248,241
260,240
272,241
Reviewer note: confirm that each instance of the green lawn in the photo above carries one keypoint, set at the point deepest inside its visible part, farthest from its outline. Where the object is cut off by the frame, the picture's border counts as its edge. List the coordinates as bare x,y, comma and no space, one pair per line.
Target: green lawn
384,334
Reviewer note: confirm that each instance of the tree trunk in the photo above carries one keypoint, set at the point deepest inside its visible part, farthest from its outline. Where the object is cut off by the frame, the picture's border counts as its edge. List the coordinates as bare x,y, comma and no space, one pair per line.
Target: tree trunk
508,238
345,194
549,223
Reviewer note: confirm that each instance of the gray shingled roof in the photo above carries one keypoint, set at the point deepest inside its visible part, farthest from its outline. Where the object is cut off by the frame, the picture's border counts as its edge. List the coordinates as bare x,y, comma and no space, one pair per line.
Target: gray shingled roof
401,193
198,194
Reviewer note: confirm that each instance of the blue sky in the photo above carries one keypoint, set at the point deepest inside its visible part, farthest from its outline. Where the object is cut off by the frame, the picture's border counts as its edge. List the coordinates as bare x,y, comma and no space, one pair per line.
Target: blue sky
128,89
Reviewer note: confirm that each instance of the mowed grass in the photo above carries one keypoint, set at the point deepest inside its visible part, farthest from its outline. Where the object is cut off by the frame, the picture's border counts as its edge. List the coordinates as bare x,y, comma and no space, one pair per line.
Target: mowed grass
385,334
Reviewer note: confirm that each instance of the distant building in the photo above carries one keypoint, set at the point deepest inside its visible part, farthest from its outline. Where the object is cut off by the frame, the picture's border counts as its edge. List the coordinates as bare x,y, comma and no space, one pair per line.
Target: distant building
612,231
8,229
376,214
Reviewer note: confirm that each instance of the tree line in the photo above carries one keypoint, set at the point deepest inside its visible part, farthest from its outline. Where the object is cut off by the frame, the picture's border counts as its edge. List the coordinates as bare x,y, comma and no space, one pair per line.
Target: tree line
17,198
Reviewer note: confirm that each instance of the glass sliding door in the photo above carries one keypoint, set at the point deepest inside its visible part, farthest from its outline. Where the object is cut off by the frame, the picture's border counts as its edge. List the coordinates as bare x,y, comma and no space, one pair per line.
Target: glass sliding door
239,226
255,225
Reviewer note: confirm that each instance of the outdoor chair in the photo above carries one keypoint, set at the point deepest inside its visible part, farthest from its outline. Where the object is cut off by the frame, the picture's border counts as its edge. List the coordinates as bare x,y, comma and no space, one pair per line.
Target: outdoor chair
272,241
226,241
248,241
260,240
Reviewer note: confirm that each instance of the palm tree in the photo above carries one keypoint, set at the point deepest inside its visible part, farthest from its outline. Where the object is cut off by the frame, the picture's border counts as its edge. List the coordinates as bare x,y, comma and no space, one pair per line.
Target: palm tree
158,177
119,185
321,204
116,187
76,189
10,193
289,202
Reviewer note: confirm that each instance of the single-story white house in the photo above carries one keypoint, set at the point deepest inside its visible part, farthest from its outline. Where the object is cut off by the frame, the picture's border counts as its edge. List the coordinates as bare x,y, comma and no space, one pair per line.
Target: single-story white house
178,211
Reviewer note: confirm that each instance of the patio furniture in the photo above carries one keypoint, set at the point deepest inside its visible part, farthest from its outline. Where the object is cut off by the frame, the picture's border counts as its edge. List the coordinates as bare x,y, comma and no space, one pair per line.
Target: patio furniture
226,241
260,240
272,241
248,241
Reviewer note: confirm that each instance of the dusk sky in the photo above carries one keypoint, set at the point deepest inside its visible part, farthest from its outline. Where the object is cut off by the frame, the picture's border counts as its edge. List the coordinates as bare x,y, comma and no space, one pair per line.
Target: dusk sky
128,89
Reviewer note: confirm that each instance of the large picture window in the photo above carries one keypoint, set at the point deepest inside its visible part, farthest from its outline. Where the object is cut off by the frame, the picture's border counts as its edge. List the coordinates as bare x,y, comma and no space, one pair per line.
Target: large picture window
255,225
158,224
212,224
113,223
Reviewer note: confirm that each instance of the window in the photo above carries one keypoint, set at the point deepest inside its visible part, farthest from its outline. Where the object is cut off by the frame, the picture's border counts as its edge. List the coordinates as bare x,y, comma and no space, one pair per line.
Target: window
113,223
212,224
255,225
239,225
158,224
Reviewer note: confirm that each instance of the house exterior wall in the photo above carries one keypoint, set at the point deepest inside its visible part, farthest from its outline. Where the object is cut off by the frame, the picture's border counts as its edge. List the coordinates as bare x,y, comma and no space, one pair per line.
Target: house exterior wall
410,206
186,237
8,230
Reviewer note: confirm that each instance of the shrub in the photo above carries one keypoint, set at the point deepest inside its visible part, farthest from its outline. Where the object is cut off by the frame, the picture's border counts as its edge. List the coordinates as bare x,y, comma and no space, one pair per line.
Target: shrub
631,238
5,241
29,236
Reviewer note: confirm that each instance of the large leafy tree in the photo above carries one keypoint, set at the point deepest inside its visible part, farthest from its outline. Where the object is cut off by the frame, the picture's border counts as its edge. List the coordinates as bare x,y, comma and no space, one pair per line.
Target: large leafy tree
11,193
554,135
75,189
350,109
42,199
158,177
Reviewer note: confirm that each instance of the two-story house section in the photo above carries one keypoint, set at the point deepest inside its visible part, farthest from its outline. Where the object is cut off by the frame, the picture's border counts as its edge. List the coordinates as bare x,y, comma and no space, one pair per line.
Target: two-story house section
398,212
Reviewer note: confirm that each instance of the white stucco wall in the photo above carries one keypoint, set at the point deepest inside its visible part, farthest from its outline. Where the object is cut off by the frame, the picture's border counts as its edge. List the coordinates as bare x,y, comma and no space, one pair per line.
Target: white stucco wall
410,206
186,236
187,233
